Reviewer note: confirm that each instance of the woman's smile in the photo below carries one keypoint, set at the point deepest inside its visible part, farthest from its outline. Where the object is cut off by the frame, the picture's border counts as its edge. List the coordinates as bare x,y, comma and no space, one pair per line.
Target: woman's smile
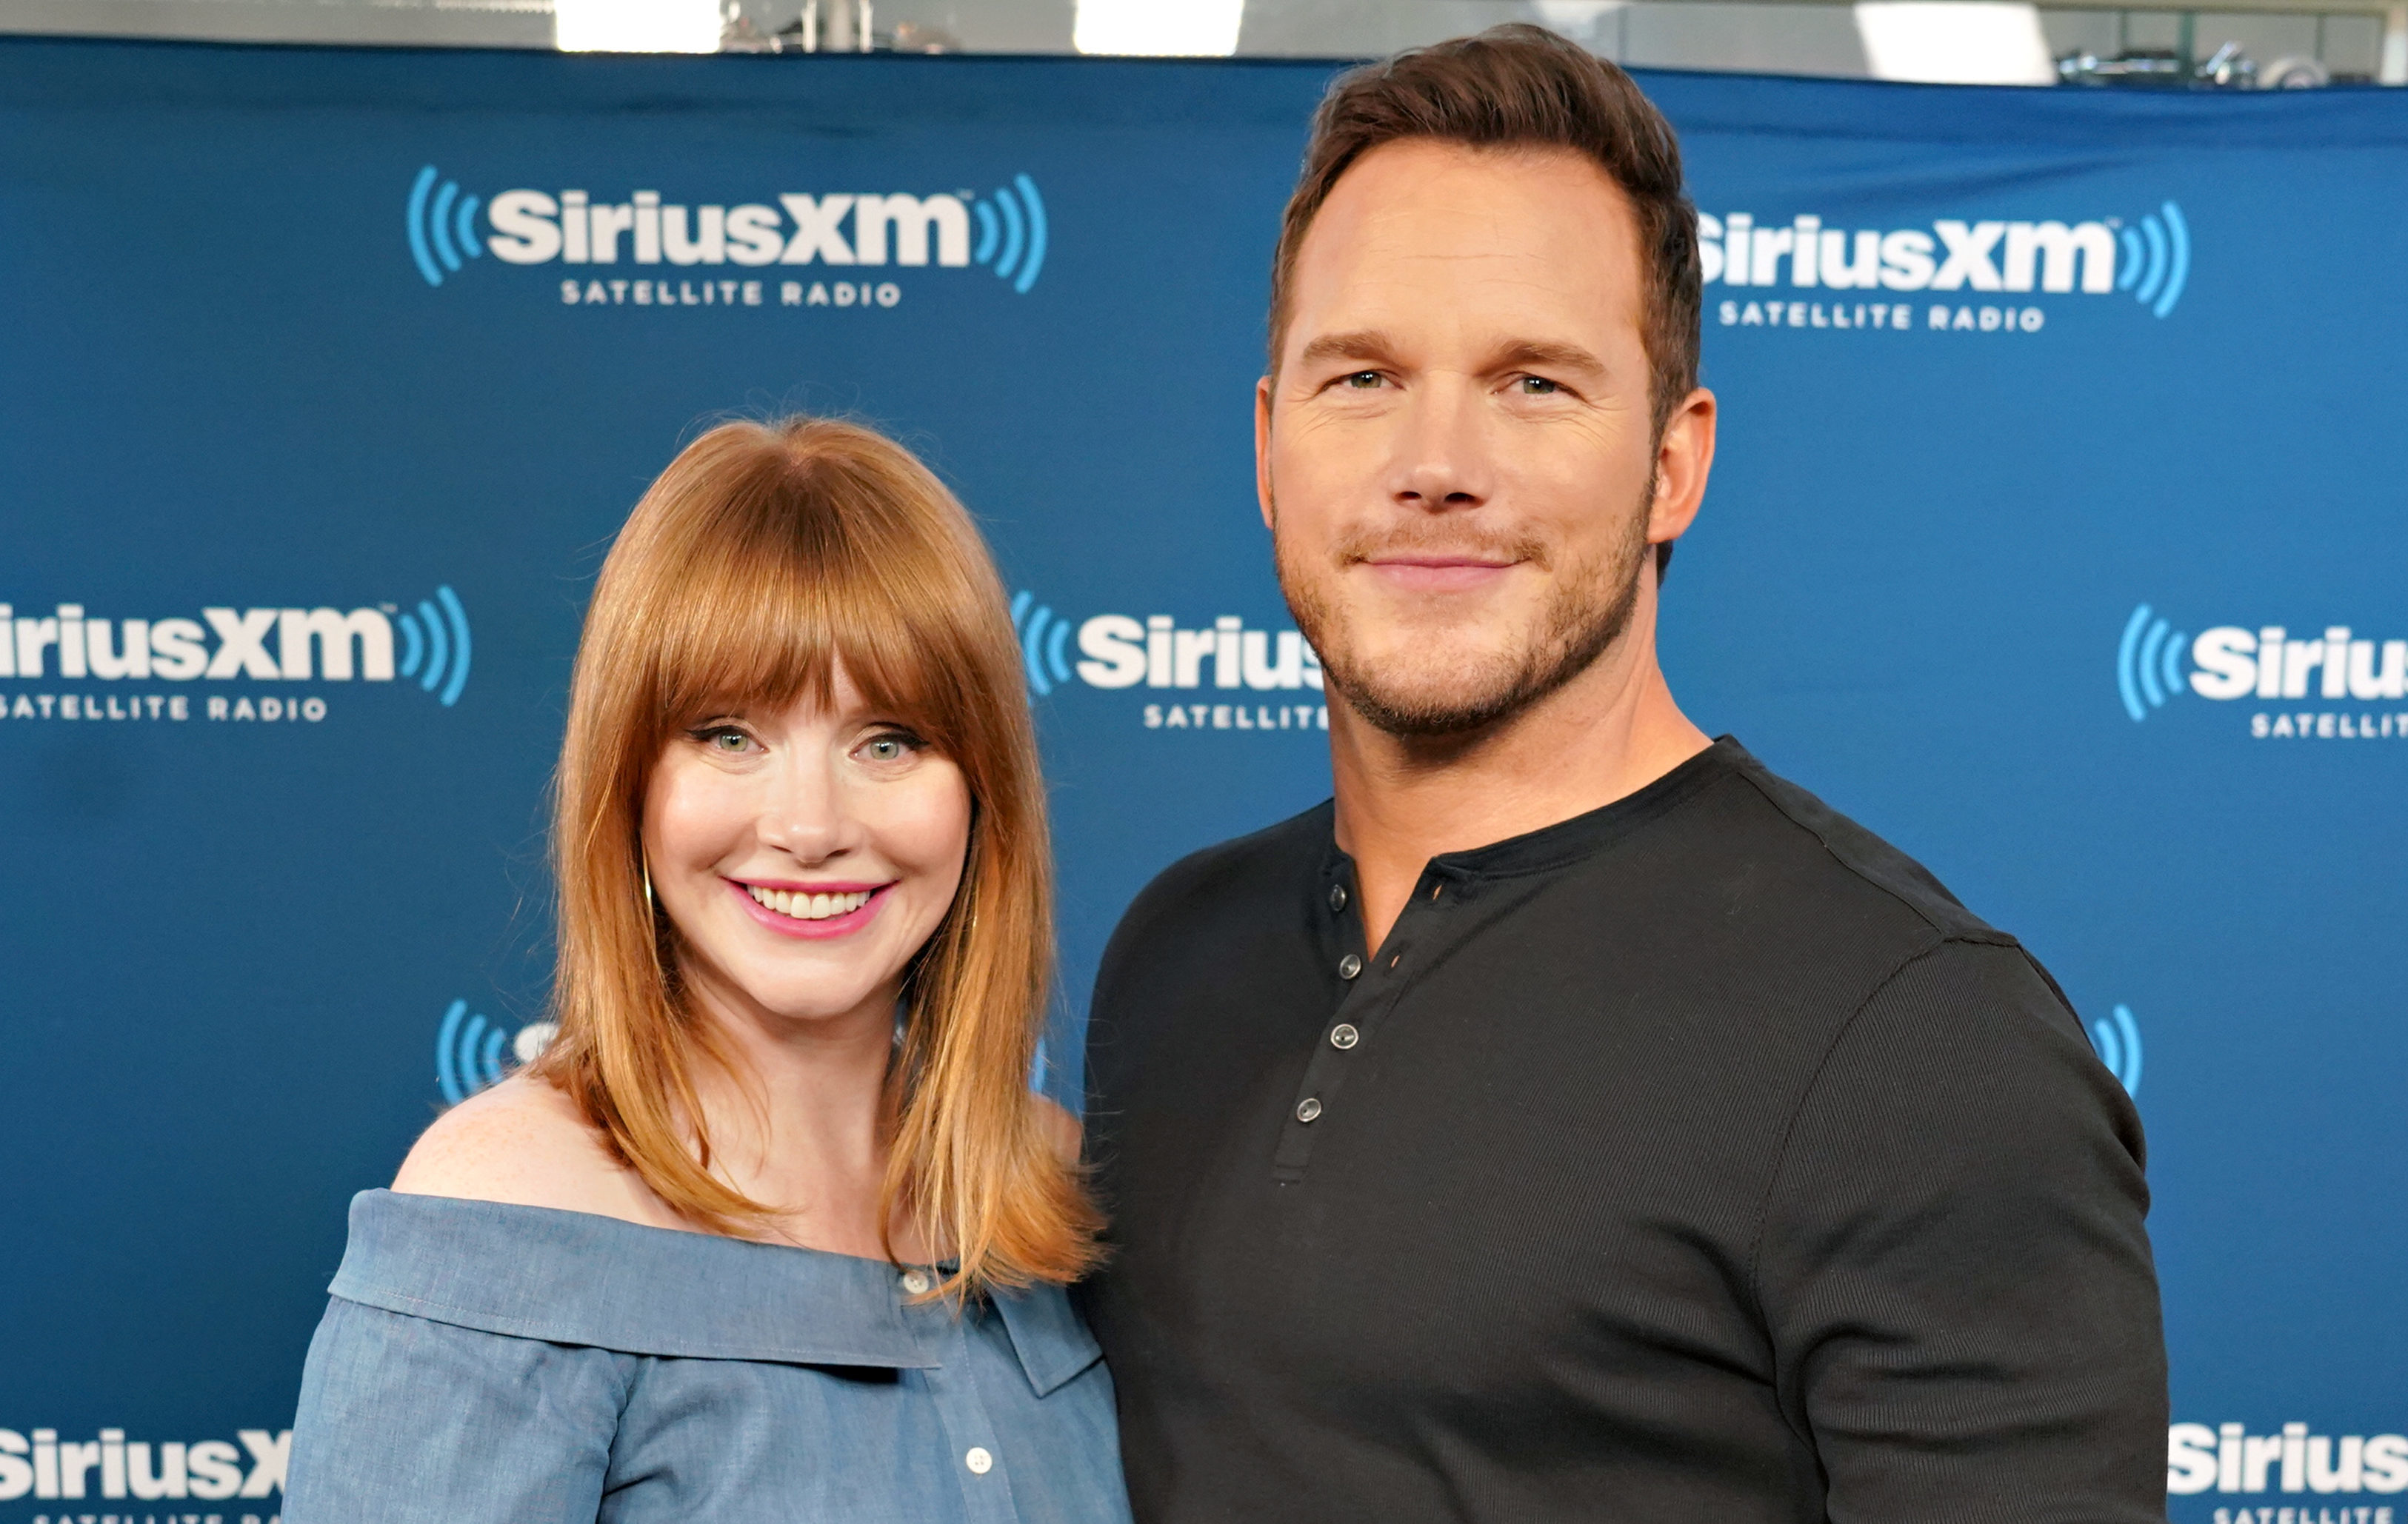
811,910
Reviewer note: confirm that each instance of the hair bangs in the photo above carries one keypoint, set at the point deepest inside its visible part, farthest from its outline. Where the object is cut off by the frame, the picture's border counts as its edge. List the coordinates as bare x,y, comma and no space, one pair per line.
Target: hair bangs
806,580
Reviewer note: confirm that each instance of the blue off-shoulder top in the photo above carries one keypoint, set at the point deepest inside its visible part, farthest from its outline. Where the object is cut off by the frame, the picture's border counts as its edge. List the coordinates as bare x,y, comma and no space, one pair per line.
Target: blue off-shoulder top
484,1362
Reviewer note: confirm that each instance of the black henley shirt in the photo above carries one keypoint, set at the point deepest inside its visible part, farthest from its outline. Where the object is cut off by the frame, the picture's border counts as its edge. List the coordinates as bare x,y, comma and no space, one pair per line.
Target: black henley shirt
1698,1161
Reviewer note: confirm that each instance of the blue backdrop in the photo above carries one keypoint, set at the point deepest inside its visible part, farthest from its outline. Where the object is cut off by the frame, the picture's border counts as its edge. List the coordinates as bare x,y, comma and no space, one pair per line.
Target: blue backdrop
2057,535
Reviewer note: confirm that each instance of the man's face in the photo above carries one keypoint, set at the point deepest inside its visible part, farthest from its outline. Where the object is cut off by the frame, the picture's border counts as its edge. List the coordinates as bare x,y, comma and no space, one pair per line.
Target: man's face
1454,454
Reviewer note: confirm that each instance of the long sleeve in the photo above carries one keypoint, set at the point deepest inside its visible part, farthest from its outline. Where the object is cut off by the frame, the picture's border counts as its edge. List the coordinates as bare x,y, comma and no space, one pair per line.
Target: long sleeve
405,1421
1953,1265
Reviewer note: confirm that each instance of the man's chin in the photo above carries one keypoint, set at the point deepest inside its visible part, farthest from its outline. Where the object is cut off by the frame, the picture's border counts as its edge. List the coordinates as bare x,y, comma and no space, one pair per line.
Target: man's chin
1473,608
1431,704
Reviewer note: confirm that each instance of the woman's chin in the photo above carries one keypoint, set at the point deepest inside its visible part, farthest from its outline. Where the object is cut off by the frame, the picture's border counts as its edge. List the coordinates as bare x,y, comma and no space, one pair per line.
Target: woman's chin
781,998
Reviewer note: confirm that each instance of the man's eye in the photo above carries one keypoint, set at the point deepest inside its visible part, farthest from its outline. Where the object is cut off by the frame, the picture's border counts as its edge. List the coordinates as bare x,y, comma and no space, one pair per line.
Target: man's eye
1362,380
1537,386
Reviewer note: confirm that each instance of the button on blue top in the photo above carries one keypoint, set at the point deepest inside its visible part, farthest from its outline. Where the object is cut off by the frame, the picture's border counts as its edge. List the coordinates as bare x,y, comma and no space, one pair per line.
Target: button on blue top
485,1362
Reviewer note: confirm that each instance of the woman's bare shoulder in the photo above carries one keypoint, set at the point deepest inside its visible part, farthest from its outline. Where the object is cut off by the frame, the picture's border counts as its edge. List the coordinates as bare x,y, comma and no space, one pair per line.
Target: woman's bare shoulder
1060,1130
524,1144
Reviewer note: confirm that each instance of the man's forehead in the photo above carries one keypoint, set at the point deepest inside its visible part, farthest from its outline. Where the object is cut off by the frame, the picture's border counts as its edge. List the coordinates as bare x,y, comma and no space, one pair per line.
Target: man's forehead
1468,195
1420,232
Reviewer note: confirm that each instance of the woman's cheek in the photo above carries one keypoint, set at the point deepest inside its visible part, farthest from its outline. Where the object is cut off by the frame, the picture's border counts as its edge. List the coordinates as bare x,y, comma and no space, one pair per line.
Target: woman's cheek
931,833
693,812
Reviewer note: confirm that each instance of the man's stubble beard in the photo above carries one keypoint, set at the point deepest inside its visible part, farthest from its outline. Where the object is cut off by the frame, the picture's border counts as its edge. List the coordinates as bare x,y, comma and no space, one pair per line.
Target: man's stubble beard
1588,610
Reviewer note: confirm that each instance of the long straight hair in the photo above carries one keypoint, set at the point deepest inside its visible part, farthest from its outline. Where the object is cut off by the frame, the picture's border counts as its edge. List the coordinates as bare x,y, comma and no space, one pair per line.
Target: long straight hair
764,558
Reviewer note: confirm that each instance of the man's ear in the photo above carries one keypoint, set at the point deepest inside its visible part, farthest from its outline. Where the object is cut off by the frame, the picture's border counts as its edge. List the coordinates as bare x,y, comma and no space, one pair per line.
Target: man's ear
1263,448
1684,457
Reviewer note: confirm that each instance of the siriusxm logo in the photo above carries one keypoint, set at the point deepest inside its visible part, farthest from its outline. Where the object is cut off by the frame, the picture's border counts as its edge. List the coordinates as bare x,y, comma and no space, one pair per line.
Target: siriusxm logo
2154,663
2226,1458
267,645
1122,651
443,229
468,1050
1004,231
2148,260
2119,1048
2148,663
2156,259
444,646
111,1466
1041,637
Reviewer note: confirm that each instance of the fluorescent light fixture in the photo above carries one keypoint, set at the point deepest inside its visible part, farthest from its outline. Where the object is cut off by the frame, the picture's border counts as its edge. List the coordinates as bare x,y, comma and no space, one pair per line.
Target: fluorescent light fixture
1573,15
1158,28
1954,42
636,26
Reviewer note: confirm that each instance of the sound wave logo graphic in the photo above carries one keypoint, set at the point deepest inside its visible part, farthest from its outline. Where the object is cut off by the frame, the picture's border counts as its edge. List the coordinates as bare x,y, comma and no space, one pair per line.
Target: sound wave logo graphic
434,645
1011,232
2155,259
468,1050
2148,663
2119,1048
1042,635
442,228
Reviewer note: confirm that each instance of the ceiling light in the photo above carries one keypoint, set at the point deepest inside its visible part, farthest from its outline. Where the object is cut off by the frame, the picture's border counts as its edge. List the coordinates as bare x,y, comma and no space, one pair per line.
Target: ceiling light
1954,42
636,26
1158,28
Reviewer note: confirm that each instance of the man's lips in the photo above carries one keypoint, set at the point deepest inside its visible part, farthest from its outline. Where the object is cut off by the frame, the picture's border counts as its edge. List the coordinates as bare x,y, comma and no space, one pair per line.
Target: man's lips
1437,573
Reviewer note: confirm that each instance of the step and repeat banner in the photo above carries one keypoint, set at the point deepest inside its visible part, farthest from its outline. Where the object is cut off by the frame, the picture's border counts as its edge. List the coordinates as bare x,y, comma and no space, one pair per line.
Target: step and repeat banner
2058,534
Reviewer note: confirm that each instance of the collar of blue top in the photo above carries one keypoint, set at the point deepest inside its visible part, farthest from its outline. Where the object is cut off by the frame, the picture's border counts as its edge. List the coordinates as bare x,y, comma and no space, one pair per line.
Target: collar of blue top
576,1278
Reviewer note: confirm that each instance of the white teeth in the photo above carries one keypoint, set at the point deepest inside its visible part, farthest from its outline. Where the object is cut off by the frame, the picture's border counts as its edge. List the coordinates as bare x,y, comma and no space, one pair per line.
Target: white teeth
808,907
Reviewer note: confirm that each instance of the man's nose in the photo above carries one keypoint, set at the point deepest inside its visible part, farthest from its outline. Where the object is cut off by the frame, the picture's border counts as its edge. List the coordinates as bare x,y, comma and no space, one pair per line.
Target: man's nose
1441,460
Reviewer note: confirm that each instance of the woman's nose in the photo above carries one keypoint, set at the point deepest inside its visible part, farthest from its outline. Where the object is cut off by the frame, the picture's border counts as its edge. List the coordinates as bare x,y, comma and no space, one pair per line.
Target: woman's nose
805,813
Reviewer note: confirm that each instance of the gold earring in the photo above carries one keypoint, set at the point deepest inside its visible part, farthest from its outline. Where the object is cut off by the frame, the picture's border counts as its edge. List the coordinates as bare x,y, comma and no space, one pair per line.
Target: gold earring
653,918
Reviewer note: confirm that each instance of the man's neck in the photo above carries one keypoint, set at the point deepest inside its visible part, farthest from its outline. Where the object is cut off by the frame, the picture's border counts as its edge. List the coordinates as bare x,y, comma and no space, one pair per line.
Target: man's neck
1401,800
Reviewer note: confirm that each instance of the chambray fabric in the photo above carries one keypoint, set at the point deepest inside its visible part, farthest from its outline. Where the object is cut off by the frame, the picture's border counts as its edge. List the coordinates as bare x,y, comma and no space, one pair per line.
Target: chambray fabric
480,1362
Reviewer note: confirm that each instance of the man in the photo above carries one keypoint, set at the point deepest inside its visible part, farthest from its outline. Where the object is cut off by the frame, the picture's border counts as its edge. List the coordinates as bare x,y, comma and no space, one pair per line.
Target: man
1573,1120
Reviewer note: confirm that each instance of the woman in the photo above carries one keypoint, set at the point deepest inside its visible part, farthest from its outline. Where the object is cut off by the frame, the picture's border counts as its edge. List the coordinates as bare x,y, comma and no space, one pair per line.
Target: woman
775,1228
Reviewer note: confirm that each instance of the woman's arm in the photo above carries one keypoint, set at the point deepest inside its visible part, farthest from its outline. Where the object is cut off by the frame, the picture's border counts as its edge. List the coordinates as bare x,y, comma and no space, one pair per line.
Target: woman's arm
1062,1130
406,1420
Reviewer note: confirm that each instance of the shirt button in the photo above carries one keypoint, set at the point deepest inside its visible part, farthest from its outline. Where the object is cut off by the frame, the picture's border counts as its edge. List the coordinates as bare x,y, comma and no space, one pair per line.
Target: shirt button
1349,966
1344,1035
915,1283
1336,898
978,1461
1308,1109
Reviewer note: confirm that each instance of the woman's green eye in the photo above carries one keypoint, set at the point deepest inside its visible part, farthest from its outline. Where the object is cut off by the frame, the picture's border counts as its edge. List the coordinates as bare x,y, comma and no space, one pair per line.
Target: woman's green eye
728,740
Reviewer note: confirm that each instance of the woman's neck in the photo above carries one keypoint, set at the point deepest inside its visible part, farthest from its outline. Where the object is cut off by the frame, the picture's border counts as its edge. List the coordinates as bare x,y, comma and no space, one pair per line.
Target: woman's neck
803,1124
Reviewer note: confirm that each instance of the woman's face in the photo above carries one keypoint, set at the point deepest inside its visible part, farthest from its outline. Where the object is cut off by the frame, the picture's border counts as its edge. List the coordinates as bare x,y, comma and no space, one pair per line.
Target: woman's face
804,855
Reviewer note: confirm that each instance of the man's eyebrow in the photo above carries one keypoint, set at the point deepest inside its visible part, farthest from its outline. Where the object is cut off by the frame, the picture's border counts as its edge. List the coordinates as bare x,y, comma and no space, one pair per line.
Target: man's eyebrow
1364,344
1544,354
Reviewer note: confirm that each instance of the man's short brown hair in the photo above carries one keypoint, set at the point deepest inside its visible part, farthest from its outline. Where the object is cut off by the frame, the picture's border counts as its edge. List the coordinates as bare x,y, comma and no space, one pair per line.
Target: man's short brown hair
1513,87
